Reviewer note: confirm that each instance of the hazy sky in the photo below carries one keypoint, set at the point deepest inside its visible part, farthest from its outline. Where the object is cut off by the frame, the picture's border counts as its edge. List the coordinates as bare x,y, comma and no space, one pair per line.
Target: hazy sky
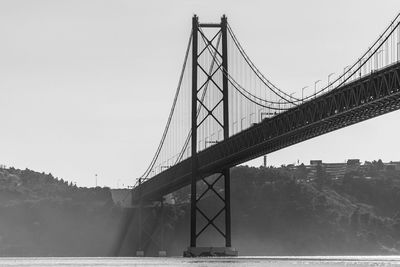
87,85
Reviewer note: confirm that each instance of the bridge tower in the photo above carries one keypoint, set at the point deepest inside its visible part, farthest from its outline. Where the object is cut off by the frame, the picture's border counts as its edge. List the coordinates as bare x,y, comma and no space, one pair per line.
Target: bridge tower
224,174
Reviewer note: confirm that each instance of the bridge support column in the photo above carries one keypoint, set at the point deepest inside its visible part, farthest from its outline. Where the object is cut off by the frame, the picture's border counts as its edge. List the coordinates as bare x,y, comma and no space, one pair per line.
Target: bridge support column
211,186
227,189
140,251
220,207
162,252
150,228
193,193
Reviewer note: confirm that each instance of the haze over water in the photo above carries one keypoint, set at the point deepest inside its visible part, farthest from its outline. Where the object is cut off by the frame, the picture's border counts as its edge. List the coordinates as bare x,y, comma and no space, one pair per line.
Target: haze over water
357,261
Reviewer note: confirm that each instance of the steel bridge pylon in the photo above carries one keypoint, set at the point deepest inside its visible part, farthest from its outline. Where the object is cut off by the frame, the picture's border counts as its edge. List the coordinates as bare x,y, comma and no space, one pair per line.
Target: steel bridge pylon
197,102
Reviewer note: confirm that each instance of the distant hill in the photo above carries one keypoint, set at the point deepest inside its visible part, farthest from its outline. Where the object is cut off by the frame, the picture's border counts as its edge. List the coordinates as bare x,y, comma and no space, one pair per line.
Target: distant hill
45,216
33,185
275,211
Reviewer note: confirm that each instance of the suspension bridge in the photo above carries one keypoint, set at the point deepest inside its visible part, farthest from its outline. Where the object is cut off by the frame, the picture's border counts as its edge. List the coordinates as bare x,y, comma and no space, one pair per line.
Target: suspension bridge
226,112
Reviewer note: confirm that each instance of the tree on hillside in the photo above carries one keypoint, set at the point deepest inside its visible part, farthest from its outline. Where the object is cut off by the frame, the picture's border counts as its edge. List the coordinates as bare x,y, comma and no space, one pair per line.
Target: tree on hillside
301,172
355,220
322,177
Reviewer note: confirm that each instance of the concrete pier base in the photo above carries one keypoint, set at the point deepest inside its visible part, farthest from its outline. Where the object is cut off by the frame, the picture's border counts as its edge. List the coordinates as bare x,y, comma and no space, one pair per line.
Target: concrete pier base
139,253
162,253
210,252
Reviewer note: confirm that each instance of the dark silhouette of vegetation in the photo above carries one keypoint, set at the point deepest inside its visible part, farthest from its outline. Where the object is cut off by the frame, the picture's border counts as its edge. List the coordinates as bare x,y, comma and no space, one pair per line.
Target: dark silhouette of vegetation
45,216
275,211
278,212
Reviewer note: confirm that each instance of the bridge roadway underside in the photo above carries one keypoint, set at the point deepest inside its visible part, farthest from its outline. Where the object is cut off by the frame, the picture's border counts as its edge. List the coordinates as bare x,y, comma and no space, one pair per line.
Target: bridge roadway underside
362,99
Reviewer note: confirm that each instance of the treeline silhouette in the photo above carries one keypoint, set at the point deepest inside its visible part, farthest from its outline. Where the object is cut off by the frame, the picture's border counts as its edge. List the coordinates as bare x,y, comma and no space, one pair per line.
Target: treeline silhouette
279,211
41,215
275,211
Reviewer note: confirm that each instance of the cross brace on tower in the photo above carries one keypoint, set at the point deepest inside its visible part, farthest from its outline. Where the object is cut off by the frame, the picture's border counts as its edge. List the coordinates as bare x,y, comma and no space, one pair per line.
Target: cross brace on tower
224,174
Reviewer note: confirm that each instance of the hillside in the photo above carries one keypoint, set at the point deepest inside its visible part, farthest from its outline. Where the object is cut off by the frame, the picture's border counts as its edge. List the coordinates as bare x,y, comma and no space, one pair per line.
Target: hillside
45,216
275,211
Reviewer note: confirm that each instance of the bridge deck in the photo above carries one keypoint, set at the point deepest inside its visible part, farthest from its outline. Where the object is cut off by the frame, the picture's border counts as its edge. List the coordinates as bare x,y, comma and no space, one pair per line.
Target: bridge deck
365,98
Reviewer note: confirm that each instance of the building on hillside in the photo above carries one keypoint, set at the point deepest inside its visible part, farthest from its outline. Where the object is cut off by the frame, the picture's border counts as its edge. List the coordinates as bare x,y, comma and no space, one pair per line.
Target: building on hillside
334,170
353,165
315,162
393,165
338,170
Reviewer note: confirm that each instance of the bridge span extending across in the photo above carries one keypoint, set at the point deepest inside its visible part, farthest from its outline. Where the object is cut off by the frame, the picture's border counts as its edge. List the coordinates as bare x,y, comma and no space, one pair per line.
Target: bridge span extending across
226,112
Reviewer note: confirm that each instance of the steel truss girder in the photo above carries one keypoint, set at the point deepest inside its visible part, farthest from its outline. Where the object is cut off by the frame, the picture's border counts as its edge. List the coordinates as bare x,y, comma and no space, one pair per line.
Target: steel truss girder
368,97
373,95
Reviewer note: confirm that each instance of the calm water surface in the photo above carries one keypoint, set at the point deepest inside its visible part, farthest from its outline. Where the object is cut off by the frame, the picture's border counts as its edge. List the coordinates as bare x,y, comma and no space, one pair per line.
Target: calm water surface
220,262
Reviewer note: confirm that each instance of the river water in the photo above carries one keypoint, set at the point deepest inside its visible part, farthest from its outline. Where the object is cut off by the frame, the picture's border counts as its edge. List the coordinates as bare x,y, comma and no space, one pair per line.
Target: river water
356,261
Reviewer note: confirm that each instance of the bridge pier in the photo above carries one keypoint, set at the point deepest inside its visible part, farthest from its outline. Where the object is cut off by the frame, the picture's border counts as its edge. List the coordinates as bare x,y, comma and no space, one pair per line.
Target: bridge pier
193,250
162,252
210,252
150,228
140,251
217,205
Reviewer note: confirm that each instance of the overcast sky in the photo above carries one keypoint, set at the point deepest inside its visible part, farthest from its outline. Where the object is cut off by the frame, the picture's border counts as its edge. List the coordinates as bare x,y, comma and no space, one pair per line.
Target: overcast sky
86,86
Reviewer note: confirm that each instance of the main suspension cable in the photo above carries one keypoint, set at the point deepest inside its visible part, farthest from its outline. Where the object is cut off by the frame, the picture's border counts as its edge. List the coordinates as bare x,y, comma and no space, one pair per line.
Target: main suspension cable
236,85
370,48
146,173
258,73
